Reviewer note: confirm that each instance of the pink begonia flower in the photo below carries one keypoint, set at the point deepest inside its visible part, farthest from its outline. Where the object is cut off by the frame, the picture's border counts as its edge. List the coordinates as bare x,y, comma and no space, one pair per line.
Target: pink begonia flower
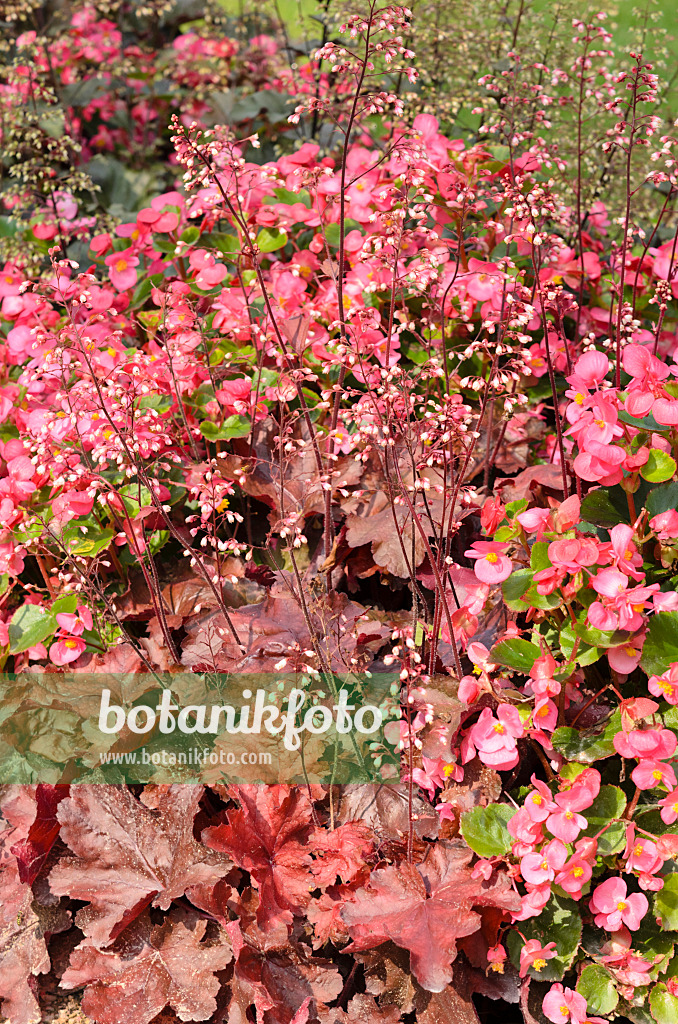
545,715
649,774
525,831
534,955
621,608
539,803
665,602
532,903
535,519
537,868
665,524
574,876
492,565
613,907
665,411
495,738
601,463
625,657
483,869
669,805
446,812
496,957
656,744
542,683
66,650
648,374
491,515
644,857
665,685
210,273
622,552
573,554
121,270
565,822
590,370
469,689
431,775
564,1004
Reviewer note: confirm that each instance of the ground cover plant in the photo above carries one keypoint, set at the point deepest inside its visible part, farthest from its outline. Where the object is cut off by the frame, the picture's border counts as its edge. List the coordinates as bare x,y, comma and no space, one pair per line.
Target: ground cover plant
314,364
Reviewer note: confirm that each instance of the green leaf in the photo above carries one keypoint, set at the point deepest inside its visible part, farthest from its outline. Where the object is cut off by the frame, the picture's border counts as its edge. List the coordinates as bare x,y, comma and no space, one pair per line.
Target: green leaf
586,654
270,239
485,831
597,987
515,586
89,543
609,804
661,499
558,922
666,904
661,643
539,557
333,231
518,654
648,423
597,508
233,426
190,235
659,467
576,745
663,1006
30,625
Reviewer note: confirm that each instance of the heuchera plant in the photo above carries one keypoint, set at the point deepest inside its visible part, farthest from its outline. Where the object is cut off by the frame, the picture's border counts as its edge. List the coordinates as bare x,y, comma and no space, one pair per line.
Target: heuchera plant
385,397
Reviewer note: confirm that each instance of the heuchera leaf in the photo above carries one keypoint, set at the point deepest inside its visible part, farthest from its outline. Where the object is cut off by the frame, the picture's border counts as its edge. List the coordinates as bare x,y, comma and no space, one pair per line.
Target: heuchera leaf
149,968
425,908
128,856
31,852
23,950
267,836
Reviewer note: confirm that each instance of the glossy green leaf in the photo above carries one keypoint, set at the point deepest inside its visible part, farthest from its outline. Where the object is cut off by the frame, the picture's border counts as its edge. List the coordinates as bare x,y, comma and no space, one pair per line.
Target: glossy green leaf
30,625
597,987
517,653
587,746
661,499
608,805
661,643
270,239
559,922
485,831
666,904
659,467
663,1006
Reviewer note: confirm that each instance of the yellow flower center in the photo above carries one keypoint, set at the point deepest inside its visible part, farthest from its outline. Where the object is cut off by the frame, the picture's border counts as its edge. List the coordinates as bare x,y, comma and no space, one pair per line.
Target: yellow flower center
498,727
538,964
71,644
621,905
120,265
491,557
577,872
